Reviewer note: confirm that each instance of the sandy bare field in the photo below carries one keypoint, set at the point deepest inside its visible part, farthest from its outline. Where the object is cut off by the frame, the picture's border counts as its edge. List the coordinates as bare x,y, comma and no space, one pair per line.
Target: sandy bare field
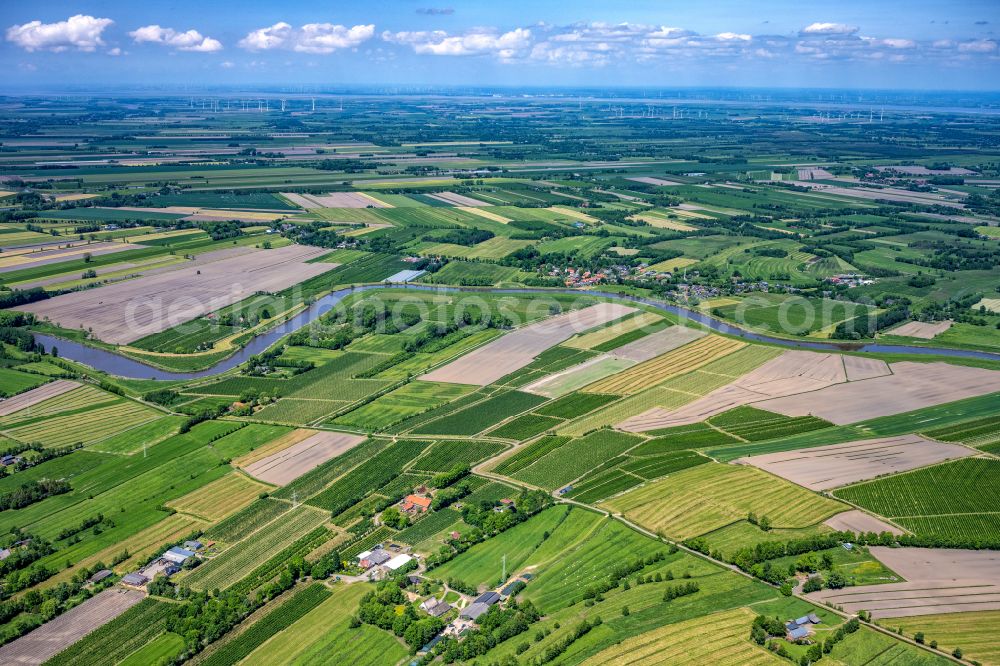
937,581
861,367
516,349
650,180
456,199
657,343
126,311
914,598
334,200
859,522
35,396
790,373
289,464
55,636
826,467
911,386
814,173
921,329
915,564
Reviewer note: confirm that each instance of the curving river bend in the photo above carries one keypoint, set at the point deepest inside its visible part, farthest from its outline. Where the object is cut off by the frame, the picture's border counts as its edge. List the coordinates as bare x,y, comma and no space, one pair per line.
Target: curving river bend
122,366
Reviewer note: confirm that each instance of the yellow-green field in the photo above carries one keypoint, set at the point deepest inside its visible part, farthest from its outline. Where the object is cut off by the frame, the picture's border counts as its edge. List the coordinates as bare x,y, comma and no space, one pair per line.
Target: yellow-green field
220,498
672,364
707,497
324,636
975,633
722,639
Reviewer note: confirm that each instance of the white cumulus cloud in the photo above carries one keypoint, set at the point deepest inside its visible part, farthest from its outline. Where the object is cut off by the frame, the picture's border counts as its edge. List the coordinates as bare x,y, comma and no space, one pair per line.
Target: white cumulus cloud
978,46
733,37
310,38
475,42
190,40
81,32
829,29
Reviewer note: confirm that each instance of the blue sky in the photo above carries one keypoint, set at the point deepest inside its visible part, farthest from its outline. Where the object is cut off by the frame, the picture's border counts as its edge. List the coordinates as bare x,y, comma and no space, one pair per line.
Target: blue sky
844,43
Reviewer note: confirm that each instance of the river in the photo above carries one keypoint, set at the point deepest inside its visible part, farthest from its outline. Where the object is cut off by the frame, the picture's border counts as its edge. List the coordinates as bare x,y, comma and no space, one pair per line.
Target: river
122,366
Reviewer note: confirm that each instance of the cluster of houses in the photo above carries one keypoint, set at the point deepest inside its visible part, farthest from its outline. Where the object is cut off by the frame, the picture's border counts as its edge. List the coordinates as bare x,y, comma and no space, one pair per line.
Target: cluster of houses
850,280
467,617
800,628
379,563
167,564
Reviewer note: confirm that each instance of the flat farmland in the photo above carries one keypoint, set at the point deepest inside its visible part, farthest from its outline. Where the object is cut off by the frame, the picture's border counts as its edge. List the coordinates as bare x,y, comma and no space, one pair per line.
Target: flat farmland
684,643
912,386
13,382
576,377
79,397
516,349
116,640
127,311
921,329
284,466
659,342
274,446
826,467
973,632
408,400
937,581
444,455
219,499
710,496
47,256
672,364
240,559
610,332
790,373
89,427
575,458
58,634
324,636
860,522
23,401
954,499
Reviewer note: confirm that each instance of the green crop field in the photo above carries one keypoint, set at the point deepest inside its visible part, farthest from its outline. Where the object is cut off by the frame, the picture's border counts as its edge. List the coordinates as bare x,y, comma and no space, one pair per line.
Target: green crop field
374,472
117,639
14,382
408,400
482,415
575,458
288,613
324,636
525,427
446,454
951,500
483,563
241,558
